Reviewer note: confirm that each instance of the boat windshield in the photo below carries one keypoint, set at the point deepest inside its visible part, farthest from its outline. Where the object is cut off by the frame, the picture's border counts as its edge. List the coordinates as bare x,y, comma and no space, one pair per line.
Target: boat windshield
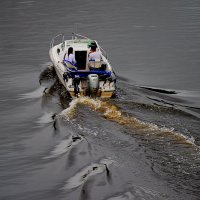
81,59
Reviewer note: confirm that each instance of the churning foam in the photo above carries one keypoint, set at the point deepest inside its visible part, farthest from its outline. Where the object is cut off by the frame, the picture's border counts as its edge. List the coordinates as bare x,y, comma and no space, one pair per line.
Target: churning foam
69,112
112,112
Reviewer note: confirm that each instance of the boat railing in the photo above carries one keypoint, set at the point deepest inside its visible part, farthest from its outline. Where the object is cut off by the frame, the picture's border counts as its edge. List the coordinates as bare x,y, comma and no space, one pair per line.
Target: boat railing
78,35
53,39
73,37
103,52
82,36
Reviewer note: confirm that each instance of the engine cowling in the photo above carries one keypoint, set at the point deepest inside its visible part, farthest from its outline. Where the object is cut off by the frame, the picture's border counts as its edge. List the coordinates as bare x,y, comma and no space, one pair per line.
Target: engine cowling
93,83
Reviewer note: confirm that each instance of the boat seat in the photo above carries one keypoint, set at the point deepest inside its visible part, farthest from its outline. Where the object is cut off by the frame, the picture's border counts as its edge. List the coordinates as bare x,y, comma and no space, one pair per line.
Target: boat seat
83,73
70,65
95,64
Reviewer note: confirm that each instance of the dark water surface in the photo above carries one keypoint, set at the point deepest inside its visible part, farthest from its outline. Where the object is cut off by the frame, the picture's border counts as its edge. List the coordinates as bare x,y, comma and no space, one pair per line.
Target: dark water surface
142,144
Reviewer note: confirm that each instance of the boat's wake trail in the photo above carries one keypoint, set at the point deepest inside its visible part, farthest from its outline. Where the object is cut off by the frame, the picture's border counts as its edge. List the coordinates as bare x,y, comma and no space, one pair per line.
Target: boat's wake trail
113,113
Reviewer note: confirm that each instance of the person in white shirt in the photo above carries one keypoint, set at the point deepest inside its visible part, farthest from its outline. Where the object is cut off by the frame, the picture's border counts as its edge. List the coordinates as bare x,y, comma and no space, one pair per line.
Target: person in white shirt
70,56
94,55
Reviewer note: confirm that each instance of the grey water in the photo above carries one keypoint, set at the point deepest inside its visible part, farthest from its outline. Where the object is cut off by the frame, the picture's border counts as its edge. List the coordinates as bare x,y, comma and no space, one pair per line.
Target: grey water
142,144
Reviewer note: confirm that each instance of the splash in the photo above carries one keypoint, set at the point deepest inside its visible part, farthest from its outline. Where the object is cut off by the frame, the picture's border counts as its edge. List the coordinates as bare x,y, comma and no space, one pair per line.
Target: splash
113,113
48,72
32,95
45,118
70,112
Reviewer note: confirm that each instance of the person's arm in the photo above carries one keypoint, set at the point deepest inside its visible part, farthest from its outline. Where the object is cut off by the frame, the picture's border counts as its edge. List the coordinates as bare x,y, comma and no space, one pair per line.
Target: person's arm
89,56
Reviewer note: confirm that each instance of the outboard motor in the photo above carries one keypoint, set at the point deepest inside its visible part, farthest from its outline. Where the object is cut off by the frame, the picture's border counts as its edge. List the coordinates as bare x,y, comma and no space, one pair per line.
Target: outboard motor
93,83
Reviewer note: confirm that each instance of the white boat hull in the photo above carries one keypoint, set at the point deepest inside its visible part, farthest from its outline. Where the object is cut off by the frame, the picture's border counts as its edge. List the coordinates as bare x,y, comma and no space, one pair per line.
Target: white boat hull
106,86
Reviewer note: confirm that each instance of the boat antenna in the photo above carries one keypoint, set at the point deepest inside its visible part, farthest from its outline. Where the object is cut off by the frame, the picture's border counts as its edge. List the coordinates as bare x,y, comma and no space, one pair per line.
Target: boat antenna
75,31
76,28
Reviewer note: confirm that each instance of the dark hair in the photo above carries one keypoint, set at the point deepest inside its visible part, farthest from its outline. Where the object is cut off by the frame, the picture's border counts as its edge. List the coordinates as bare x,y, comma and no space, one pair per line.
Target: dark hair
70,50
93,48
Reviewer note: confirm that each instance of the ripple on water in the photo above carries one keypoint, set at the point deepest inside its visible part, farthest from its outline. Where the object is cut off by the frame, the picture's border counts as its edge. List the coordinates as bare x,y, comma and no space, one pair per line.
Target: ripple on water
64,146
32,95
91,170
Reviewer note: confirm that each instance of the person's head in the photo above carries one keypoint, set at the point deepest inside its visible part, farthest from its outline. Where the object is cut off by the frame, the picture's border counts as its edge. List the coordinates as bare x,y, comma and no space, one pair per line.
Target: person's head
93,47
70,51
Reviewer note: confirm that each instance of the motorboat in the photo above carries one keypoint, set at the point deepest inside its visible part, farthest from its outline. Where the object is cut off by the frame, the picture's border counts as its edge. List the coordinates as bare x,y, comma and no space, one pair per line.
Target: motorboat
85,77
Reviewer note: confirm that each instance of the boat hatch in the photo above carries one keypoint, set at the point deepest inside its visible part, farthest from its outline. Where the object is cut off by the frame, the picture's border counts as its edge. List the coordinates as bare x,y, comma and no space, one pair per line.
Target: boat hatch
81,59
